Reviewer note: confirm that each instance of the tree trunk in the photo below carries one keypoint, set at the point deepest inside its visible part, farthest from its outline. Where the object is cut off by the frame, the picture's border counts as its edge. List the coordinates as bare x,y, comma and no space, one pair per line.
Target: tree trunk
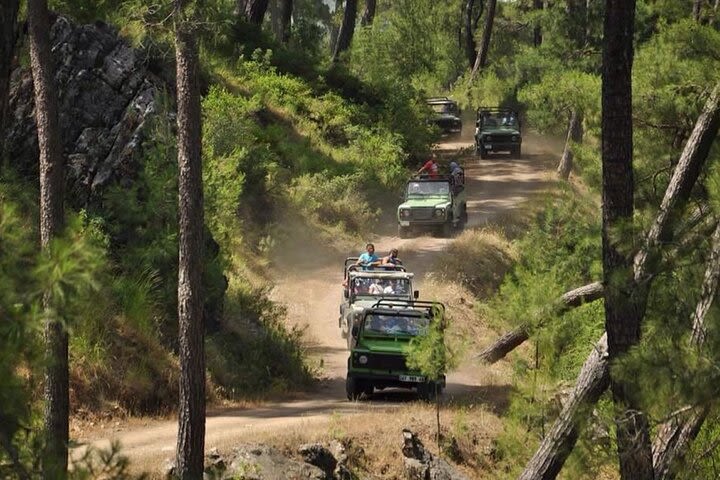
285,13
56,390
675,436
369,13
697,10
346,29
515,338
239,10
692,159
557,445
574,136
537,31
623,311
255,11
191,408
8,35
481,59
469,37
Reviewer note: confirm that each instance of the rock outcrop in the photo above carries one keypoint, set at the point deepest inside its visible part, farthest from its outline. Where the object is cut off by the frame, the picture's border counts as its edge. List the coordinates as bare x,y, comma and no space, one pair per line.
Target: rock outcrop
423,465
106,96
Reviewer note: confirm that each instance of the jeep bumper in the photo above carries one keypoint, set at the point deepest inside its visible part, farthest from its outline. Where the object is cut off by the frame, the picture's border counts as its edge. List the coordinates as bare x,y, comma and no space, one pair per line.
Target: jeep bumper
386,380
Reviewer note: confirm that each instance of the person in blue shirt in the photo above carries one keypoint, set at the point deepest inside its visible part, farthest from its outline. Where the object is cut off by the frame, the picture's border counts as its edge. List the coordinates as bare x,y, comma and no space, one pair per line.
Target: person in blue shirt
368,258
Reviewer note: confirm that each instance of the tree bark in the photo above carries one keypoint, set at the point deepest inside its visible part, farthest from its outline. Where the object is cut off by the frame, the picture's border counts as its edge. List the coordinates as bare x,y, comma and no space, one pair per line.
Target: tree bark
623,310
286,10
692,159
469,37
8,35
560,440
191,408
675,436
574,136
368,13
482,55
56,389
537,31
697,10
514,338
347,29
255,11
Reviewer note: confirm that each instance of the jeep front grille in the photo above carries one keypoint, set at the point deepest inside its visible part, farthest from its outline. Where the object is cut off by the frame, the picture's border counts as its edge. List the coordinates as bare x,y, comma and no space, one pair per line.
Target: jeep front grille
379,361
501,138
422,213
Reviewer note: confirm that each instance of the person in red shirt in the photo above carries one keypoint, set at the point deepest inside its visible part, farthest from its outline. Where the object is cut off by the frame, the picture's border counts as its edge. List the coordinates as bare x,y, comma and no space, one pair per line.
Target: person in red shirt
430,167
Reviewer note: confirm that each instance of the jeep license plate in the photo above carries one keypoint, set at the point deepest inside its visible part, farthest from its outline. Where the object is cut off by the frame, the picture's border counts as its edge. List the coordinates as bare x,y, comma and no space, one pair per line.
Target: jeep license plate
412,378
488,147
404,223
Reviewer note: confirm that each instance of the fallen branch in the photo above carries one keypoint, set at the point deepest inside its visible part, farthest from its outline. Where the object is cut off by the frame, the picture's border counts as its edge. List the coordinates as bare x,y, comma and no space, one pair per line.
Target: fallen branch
514,338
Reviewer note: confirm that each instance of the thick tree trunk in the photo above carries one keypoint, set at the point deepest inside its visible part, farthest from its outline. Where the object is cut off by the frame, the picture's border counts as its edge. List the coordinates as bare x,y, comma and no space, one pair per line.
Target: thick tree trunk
191,408
347,29
515,338
469,32
623,311
285,13
675,436
8,35
574,136
482,55
537,31
255,11
56,391
368,13
560,440
692,159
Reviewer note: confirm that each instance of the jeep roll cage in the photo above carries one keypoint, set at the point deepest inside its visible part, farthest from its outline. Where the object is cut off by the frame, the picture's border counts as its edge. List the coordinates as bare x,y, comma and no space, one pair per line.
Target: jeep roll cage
439,100
423,306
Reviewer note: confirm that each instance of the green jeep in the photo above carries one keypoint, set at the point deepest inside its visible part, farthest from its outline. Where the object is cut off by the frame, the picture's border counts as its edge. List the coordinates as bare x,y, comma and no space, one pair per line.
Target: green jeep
432,202
363,286
380,342
497,130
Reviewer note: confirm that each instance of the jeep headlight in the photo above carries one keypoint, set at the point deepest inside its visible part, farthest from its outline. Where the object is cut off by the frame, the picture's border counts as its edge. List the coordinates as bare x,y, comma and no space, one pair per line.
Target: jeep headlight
405,212
514,138
363,360
439,212
488,138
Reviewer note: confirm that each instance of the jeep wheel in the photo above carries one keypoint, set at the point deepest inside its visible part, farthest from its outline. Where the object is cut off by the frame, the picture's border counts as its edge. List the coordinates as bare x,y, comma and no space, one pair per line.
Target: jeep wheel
403,232
464,216
352,388
483,152
428,391
447,229
517,152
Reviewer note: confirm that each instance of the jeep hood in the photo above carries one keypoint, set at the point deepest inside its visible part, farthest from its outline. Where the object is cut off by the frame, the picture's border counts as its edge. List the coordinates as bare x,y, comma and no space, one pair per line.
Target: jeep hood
446,116
500,131
435,202
387,345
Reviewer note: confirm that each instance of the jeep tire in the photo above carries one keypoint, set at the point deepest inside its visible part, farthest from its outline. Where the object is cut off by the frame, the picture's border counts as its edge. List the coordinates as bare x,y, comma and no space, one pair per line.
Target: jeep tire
447,229
517,151
353,388
428,391
482,152
403,232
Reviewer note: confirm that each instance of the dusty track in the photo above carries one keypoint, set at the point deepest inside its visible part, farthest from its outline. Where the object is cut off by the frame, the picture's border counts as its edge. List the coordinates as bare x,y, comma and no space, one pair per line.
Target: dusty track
495,187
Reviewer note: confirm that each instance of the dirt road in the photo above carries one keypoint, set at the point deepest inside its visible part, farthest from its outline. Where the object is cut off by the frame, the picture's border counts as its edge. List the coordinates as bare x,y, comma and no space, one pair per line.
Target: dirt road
312,292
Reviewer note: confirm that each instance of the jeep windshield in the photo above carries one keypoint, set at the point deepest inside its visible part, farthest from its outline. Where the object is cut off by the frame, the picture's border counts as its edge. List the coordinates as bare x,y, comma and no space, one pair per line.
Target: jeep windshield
443,108
395,324
428,189
499,121
374,287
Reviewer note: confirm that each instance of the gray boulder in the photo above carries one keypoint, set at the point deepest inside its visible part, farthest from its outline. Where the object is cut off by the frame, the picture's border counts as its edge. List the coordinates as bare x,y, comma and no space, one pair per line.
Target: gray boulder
260,462
423,465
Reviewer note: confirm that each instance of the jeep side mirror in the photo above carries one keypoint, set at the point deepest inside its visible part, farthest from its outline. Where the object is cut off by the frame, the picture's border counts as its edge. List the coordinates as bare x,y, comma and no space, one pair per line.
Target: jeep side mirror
355,331
477,123
416,294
